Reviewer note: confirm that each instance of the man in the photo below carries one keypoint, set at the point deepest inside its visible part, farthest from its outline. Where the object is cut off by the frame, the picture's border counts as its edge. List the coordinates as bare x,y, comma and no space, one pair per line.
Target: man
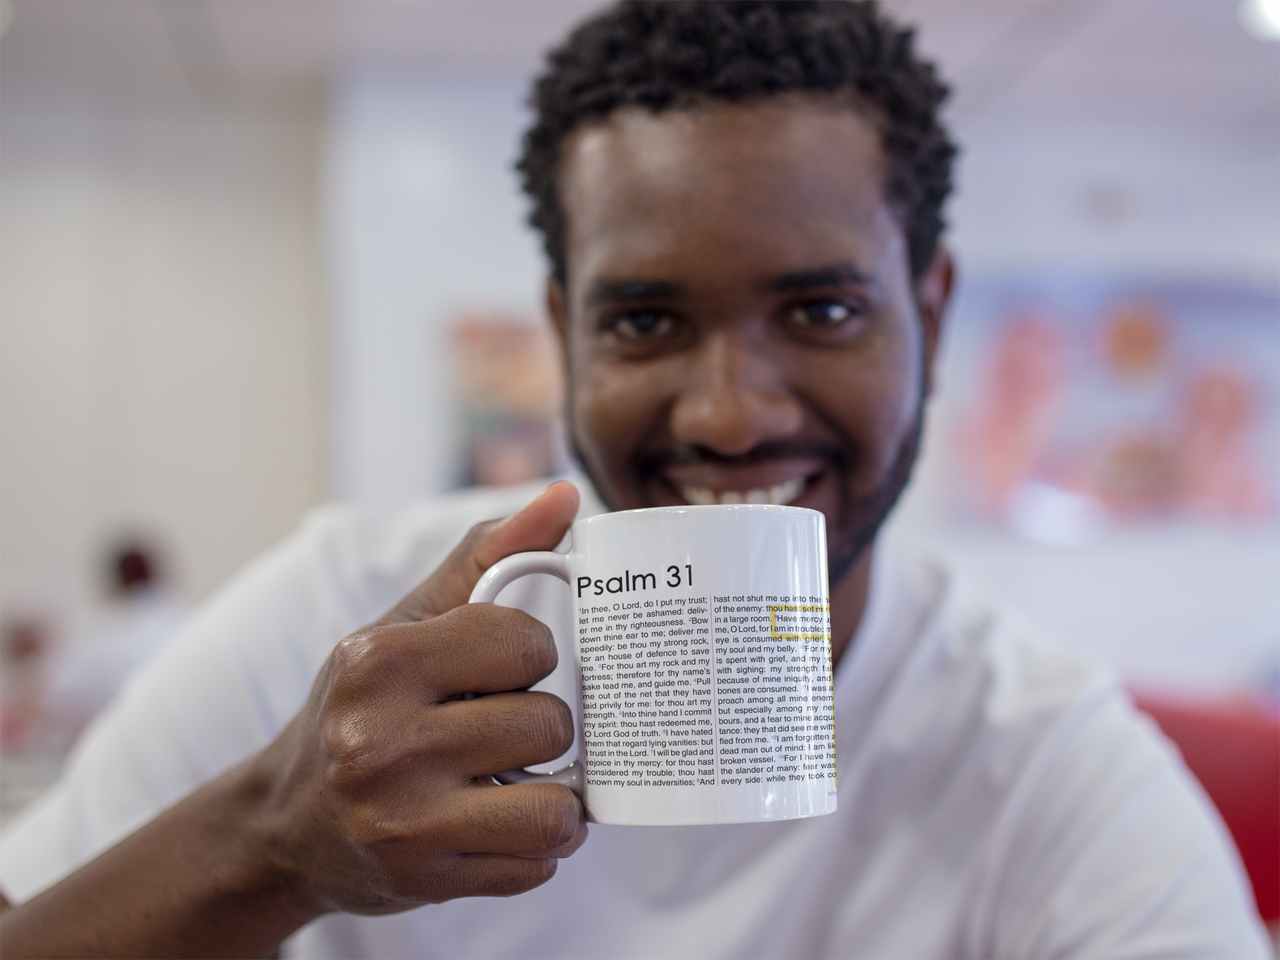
741,205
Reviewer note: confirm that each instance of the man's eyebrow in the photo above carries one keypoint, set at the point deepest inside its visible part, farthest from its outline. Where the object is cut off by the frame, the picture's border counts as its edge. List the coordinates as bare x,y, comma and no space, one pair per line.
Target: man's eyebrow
624,291
830,275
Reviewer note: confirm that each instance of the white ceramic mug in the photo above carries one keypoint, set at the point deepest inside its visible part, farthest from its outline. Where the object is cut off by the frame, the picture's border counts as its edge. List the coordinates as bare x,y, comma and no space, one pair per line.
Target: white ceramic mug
703,640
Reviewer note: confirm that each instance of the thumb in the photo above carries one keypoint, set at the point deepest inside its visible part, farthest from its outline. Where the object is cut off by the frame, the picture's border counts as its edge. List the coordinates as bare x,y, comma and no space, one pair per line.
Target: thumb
539,526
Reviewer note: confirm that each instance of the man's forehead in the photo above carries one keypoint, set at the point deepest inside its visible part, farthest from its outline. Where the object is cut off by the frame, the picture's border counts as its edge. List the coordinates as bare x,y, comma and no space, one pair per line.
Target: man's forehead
688,141
642,181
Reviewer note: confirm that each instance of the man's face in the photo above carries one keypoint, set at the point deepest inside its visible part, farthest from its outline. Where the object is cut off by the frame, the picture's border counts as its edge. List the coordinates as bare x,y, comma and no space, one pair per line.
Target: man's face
740,321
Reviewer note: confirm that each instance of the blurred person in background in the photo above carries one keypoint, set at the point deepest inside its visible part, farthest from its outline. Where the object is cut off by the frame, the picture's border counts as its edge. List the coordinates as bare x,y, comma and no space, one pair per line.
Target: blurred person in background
142,613
24,652
742,205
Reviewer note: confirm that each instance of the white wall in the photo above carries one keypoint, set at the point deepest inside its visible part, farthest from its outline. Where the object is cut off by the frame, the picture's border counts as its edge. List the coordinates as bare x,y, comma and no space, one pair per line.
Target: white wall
160,340
1195,202
424,217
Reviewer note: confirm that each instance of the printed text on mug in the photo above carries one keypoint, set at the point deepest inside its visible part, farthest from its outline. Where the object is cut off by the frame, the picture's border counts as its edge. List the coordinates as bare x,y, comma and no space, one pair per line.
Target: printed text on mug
674,576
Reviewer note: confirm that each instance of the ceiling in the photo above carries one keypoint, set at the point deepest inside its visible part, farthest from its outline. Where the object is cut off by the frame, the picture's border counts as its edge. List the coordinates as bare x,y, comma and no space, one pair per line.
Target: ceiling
1166,61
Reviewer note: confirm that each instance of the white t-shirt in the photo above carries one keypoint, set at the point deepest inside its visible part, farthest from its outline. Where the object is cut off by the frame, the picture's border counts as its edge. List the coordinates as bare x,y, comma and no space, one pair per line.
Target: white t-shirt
997,794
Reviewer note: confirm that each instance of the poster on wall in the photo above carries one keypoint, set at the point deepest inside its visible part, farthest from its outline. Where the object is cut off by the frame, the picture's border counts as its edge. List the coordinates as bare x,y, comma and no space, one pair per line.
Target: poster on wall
508,397
1087,404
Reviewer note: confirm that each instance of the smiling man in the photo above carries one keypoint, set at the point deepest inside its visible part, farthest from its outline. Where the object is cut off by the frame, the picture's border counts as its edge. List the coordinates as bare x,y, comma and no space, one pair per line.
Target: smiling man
754,338
742,206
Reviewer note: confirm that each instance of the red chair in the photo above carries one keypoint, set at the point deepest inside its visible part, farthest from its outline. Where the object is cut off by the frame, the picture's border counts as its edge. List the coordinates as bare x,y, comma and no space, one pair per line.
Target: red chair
1234,750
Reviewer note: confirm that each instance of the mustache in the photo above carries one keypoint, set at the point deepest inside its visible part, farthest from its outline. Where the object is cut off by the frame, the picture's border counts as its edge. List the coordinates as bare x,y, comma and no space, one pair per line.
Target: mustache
650,462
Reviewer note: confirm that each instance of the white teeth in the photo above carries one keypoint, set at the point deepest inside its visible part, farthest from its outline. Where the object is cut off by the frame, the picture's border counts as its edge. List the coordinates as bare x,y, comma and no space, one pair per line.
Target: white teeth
699,495
779,493
784,493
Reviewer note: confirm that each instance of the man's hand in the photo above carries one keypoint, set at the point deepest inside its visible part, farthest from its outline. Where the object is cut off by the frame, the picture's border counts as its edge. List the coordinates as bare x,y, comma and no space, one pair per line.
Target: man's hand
379,795
376,798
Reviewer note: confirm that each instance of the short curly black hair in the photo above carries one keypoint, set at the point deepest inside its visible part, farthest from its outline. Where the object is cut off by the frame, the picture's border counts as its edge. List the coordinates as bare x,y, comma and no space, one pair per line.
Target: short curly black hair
663,54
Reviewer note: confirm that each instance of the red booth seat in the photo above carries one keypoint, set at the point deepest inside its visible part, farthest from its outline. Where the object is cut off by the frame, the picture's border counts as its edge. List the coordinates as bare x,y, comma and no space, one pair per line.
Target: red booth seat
1233,748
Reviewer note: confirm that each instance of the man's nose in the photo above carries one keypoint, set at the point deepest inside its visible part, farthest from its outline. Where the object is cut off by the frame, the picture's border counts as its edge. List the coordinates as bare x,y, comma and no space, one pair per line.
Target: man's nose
734,399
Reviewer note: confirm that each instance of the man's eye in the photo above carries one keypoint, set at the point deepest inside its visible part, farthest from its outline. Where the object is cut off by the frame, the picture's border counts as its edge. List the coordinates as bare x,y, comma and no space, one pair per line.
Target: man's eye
820,314
640,325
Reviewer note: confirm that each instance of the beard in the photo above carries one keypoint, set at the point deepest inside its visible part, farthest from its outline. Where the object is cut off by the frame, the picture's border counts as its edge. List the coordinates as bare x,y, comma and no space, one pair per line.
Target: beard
860,518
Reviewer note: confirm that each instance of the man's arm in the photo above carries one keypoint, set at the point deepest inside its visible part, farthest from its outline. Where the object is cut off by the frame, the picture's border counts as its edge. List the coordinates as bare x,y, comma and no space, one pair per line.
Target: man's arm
376,798
190,882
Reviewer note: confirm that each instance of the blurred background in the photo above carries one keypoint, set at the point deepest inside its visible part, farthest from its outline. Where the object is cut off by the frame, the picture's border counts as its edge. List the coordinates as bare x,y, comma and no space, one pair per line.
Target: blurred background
257,255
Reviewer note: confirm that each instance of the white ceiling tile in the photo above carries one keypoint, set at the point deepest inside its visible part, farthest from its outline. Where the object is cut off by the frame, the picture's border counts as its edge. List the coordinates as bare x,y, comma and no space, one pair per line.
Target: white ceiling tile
1188,61
1169,61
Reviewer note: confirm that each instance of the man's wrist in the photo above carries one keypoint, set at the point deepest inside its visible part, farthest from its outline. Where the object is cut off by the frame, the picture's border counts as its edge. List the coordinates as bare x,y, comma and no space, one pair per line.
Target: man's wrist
261,878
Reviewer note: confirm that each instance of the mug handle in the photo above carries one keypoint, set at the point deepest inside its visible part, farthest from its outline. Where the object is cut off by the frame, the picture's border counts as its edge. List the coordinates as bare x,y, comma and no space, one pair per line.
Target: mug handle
491,584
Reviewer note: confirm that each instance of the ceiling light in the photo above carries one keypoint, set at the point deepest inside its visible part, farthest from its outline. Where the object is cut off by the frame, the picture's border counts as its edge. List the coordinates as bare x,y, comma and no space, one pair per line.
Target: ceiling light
1261,18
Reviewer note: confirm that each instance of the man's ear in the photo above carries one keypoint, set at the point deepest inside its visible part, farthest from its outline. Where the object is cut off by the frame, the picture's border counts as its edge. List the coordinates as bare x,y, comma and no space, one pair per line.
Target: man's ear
933,293
556,309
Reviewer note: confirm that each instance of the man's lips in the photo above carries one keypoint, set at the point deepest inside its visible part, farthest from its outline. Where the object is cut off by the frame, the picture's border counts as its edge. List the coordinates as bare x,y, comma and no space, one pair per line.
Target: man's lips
779,482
